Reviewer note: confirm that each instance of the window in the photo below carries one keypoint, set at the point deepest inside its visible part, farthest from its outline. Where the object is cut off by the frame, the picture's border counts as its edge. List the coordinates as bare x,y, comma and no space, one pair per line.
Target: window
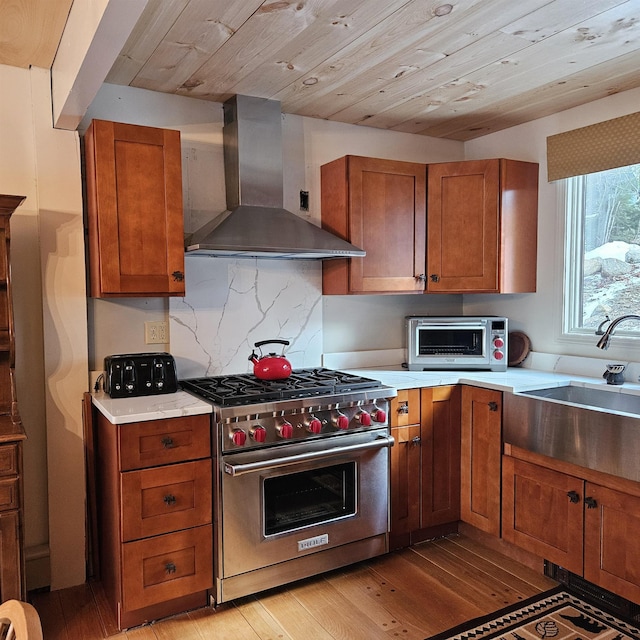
602,272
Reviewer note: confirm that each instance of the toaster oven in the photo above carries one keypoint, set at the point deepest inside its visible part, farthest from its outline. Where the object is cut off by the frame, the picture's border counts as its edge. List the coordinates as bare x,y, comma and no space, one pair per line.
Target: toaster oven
457,342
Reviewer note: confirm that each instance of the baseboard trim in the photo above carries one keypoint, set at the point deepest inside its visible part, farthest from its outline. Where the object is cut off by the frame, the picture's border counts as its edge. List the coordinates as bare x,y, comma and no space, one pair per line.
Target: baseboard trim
37,567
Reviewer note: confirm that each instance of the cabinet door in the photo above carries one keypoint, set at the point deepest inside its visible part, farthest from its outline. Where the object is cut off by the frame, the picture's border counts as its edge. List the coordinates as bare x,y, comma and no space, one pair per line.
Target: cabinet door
482,226
134,203
463,226
611,558
480,455
379,206
405,482
405,467
543,512
440,449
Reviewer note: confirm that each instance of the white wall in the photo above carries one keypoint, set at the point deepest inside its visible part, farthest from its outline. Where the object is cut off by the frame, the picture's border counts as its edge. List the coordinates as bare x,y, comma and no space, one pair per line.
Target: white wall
50,313
360,322
540,314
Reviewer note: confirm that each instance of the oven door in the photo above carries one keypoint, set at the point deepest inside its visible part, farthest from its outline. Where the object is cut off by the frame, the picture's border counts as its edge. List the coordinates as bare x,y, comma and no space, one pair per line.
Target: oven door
285,502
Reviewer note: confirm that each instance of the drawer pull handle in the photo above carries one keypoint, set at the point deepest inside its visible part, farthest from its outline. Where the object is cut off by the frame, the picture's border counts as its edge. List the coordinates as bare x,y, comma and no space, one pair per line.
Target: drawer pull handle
167,442
169,500
170,568
573,496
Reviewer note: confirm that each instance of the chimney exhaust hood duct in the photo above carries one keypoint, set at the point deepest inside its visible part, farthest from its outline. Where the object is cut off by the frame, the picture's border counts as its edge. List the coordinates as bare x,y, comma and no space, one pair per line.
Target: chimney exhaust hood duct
255,224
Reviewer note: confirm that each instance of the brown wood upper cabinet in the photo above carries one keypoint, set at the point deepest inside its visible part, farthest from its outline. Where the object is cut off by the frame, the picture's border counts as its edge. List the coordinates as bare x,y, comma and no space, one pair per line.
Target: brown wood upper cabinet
134,206
482,219
454,227
380,206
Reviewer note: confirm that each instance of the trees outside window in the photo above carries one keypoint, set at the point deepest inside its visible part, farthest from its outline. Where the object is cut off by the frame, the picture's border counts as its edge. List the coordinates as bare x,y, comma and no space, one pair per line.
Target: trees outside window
602,273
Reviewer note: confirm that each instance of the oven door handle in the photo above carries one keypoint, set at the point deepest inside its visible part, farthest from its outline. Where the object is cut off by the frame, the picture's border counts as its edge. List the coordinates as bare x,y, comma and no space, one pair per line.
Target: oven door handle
262,465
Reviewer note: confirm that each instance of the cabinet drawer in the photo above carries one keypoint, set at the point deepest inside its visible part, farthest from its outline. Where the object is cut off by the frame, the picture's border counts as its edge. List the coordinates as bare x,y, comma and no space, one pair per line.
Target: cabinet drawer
9,494
166,567
405,408
156,442
166,499
9,460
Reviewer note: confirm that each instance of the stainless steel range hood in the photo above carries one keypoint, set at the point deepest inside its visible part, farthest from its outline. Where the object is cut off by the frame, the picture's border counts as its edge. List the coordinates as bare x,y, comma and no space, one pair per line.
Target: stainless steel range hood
256,224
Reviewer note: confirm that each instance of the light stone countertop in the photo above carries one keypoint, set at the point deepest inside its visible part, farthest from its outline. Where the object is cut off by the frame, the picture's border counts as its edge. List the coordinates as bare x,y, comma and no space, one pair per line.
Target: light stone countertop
169,405
182,403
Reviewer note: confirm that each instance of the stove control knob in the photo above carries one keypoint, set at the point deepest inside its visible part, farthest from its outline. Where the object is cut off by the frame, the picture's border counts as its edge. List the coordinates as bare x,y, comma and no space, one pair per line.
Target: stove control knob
342,421
364,418
238,437
314,426
259,433
379,415
285,430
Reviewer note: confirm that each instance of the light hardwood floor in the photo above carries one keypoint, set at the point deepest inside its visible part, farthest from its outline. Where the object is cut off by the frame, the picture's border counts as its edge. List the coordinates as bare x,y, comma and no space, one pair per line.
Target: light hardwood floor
410,594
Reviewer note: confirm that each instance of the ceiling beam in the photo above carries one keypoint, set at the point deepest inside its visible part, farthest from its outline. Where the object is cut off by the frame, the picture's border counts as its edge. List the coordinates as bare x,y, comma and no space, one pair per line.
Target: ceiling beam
93,37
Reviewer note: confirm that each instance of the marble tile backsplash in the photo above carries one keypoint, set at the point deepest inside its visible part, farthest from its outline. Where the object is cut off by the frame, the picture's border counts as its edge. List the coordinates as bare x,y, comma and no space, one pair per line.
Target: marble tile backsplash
233,303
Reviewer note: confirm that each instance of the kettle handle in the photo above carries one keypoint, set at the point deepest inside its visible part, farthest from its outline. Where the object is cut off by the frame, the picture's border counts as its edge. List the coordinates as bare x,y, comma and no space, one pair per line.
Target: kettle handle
262,342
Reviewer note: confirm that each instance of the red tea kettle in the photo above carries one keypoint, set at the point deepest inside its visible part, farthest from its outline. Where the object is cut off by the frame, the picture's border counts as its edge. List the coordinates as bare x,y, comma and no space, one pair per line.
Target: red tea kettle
271,366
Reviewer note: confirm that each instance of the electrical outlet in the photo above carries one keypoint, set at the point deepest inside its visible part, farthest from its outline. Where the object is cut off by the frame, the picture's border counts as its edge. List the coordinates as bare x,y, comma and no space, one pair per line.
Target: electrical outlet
156,332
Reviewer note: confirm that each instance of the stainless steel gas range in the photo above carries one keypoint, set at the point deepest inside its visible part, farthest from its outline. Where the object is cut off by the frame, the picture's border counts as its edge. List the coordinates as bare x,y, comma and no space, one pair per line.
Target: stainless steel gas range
301,480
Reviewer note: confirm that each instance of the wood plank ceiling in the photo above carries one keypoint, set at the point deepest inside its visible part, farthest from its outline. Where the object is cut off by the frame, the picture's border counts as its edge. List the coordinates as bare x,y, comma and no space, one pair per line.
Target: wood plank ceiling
454,69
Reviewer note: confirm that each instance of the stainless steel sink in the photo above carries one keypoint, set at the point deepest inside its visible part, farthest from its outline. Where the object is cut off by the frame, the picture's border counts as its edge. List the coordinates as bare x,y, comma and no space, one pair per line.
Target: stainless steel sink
597,399
578,425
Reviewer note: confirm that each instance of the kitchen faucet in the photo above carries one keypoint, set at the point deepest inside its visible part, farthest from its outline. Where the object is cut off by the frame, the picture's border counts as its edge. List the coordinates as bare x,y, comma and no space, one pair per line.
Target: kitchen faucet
603,343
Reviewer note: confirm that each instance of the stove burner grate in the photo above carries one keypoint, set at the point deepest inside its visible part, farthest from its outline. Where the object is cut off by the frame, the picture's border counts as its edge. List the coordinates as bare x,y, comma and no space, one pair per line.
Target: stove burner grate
237,390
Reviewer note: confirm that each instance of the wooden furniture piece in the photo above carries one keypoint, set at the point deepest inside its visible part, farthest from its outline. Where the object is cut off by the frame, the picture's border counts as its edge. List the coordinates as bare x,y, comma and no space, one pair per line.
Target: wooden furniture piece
12,435
582,520
154,517
481,449
379,206
134,207
21,621
482,226
425,464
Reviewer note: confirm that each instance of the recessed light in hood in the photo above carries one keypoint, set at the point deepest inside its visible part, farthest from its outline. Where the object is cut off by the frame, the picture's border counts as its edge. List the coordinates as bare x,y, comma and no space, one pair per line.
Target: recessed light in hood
255,224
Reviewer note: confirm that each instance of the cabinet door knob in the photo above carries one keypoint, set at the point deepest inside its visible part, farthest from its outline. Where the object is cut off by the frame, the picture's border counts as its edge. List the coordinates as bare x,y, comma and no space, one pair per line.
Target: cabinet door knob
493,406
169,500
415,441
178,276
573,496
421,277
170,567
403,408
434,277
590,502
167,442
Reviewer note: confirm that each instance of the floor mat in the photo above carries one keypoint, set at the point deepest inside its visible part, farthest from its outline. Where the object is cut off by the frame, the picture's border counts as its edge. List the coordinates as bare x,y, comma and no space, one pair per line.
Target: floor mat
553,615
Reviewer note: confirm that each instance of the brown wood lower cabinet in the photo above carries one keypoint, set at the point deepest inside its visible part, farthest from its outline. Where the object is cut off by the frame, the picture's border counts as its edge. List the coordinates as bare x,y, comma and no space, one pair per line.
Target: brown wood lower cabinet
425,463
154,516
481,450
581,525
543,512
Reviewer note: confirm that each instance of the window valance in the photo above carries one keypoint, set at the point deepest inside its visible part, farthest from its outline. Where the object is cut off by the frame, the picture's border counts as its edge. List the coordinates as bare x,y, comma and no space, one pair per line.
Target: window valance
601,146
